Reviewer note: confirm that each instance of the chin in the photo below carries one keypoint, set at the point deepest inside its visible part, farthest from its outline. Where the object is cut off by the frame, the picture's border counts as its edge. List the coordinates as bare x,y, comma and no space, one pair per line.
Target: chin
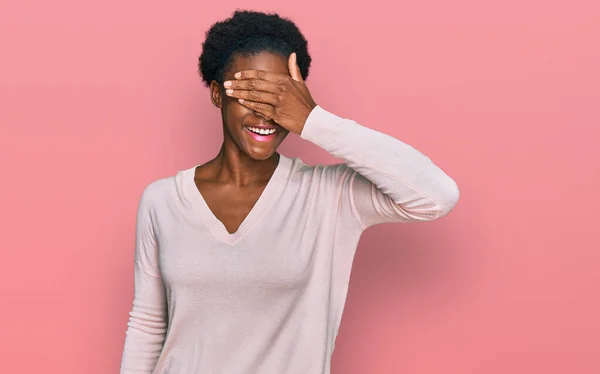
259,149
261,155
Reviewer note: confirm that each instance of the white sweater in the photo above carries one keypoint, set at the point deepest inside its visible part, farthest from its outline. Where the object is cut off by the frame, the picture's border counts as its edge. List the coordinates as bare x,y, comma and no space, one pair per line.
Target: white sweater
269,298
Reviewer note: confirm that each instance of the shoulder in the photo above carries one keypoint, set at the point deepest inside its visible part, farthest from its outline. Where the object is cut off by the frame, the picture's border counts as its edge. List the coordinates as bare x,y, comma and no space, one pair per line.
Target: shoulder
328,174
163,189
158,188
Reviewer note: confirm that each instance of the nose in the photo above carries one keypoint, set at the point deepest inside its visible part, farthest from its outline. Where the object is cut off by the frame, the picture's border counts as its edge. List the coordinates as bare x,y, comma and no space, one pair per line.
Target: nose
262,116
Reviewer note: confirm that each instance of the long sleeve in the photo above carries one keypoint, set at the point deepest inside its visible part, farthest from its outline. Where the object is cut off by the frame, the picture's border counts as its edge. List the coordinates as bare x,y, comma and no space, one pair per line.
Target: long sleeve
147,324
391,181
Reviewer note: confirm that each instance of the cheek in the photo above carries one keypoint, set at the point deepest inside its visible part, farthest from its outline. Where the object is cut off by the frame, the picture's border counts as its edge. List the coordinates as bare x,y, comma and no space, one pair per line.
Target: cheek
234,111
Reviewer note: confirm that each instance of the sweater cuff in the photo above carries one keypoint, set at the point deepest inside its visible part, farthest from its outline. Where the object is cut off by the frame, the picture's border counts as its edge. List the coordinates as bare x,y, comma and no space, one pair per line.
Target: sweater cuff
321,125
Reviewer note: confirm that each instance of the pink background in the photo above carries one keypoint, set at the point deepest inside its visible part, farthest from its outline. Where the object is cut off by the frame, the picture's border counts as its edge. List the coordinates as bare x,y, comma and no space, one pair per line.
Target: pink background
99,99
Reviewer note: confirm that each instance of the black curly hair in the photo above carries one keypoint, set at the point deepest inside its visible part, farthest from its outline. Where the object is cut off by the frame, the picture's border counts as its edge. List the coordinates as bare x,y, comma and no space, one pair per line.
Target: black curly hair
249,33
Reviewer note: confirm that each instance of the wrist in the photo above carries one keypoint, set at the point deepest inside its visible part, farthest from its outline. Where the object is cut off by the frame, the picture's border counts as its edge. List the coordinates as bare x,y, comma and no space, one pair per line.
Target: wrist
302,124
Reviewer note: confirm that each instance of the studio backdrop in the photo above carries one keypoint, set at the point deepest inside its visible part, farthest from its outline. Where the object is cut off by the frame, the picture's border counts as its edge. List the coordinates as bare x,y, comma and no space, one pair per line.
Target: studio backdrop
98,99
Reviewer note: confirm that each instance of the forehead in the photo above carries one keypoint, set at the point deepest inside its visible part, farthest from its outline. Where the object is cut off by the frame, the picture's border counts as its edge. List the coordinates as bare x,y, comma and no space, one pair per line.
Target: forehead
263,61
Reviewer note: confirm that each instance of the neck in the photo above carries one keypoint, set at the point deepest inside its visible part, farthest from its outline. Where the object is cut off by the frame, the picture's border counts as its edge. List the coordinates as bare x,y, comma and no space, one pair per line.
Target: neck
232,166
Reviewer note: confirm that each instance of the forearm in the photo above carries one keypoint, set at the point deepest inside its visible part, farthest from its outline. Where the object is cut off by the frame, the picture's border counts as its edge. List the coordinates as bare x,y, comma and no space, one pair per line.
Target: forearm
398,170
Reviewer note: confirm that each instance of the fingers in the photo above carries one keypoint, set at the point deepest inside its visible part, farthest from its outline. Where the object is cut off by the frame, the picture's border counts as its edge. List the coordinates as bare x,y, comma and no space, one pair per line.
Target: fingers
293,67
257,96
264,109
253,84
260,75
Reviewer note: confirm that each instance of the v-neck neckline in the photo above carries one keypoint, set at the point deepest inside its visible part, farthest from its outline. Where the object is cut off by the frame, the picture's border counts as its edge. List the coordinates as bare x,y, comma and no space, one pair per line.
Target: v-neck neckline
268,196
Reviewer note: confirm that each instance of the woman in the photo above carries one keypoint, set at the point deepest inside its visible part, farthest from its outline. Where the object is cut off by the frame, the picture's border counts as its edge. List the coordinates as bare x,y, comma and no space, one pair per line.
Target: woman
242,264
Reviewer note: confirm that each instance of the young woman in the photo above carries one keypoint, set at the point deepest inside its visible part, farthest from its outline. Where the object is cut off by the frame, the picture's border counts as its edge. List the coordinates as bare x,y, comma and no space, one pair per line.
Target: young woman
242,263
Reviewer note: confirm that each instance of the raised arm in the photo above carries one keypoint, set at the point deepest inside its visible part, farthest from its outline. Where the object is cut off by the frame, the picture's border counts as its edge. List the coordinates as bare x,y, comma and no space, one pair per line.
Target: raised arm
391,181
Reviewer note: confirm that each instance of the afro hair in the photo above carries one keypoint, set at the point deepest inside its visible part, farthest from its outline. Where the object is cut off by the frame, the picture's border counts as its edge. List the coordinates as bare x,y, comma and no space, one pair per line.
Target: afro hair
249,33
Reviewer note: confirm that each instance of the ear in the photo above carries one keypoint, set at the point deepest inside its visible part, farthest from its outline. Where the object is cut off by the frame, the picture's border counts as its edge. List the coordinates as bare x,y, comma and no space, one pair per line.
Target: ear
216,96
294,69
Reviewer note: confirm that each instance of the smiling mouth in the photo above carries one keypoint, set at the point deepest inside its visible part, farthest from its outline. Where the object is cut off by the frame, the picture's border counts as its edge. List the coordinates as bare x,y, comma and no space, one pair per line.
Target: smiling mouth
262,132
261,135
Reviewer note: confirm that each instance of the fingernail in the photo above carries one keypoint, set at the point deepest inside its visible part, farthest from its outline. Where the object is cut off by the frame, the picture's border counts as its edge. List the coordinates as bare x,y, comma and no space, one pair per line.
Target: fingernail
227,83
238,75
241,100
228,92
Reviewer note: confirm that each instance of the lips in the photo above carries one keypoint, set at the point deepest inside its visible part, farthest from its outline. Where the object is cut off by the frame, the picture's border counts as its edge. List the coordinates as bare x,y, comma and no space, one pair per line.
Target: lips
266,136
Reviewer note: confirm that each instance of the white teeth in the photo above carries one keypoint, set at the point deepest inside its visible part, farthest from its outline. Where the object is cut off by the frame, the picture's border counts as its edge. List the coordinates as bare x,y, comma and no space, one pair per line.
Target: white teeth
262,131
